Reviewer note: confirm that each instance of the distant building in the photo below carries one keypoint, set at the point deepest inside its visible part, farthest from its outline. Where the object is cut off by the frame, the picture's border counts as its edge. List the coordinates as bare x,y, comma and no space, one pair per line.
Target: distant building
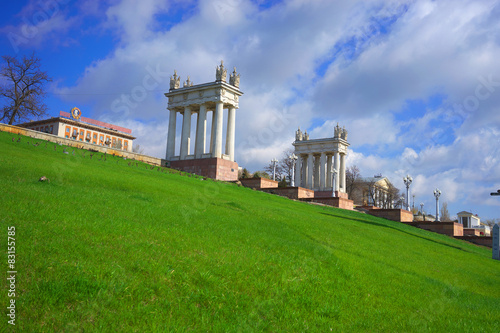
74,126
471,221
374,191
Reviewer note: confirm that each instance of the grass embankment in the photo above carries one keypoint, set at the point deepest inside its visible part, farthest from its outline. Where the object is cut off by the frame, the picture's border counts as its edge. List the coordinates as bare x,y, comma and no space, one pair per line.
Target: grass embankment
112,245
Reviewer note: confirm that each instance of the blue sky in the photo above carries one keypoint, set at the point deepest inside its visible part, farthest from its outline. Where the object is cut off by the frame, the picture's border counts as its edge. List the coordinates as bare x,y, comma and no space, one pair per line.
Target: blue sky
416,83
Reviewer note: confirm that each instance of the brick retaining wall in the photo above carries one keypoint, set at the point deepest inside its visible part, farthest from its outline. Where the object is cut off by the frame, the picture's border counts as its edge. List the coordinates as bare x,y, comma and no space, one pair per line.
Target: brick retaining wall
399,215
445,228
258,183
290,192
334,202
472,232
215,168
482,240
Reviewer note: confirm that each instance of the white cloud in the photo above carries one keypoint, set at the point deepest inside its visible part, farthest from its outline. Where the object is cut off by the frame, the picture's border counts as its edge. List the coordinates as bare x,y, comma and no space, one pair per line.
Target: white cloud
429,48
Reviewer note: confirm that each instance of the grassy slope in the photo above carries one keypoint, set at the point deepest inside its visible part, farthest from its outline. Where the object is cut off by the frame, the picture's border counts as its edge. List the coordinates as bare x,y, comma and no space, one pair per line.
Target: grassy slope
110,247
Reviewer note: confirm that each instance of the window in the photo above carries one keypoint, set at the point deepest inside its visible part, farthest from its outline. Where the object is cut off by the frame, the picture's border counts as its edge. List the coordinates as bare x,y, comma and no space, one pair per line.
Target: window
125,143
67,129
95,135
52,129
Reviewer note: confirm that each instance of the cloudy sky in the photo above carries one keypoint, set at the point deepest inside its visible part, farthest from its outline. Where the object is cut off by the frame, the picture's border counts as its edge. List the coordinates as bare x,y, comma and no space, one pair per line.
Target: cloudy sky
416,83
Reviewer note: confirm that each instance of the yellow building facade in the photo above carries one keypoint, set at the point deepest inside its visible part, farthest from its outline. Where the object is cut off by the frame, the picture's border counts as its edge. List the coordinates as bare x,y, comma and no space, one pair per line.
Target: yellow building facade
74,126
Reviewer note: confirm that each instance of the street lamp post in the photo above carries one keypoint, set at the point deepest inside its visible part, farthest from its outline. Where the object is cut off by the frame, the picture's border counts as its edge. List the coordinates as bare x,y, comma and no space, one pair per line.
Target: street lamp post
334,175
407,180
274,161
422,208
293,158
437,193
401,201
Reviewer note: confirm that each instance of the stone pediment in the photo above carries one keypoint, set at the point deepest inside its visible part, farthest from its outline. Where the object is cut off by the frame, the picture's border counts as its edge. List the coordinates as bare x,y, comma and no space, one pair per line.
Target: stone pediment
208,94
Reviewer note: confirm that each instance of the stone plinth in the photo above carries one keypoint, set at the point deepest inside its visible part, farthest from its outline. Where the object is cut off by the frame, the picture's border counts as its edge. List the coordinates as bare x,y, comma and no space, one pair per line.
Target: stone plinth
400,215
290,192
328,194
215,168
445,228
258,183
472,232
367,208
334,202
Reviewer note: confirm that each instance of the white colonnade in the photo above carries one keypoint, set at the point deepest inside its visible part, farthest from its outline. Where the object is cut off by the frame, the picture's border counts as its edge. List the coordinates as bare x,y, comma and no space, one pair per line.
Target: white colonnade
201,99
314,171
320,161
216,133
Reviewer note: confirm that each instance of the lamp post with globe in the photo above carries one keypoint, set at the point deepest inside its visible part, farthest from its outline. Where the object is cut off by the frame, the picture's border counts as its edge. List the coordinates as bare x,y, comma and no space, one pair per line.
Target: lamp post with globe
437,193
293,158
407,180
274,161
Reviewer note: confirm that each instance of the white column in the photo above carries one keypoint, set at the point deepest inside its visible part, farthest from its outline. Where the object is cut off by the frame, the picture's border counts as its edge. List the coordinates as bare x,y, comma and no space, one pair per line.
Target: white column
186,133
231,114
196,132
310,171
201,132
298,165
328,171
171,134
342,172
322,172
316,172
303,178
217,142
336,165
212,132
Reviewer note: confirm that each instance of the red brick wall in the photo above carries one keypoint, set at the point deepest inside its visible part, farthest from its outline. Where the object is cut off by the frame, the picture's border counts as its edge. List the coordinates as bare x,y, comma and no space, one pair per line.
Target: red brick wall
334,202
484,241
328,194
258,183
472,232
445,228
291,192
399,215
215,168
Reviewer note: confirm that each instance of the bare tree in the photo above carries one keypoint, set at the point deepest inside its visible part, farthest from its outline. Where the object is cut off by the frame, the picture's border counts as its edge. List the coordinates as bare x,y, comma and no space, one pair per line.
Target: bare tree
24,88
392,197
491,222
283,167
138,149
279,170
352,175
445,215
287,165
372,190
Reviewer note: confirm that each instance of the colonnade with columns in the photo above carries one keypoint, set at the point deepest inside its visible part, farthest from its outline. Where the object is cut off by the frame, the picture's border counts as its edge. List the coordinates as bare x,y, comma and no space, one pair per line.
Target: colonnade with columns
314,171
202,99
320,163
200,135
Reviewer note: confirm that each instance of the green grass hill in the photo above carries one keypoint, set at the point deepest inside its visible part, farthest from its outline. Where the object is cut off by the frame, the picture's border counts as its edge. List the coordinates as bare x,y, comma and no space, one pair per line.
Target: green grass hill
112,245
